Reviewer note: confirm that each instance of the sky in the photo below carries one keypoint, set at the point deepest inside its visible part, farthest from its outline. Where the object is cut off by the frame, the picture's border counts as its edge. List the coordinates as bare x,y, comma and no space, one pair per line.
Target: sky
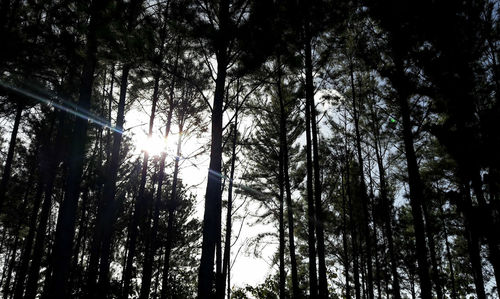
247,269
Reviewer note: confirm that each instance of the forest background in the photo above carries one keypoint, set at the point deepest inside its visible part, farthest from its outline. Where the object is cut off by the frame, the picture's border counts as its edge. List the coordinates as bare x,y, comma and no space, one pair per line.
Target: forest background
249,149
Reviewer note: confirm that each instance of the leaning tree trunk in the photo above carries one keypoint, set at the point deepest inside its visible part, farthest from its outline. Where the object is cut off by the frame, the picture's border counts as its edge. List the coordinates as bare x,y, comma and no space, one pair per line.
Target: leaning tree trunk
386,210
415,184
10,268
138,211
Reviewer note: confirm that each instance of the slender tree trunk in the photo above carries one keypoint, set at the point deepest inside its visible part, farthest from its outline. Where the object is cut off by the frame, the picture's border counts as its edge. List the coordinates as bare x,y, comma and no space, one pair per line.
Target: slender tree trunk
352,222
5,262
344,240
291,227
364,197
50,176
101,242
151,251
416,196
448,255
214,192
227,243
323,283
10,155
28,245
282,278
138,211
490,233
311,214
67,212
151,242
432,250
386,213
173,203
12,264
76,276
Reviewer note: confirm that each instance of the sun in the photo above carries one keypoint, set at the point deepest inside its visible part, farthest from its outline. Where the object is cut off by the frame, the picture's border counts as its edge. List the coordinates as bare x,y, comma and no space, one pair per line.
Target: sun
154,145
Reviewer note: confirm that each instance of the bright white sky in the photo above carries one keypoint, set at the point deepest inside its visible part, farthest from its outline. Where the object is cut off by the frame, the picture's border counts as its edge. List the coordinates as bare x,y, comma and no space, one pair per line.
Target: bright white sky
247,269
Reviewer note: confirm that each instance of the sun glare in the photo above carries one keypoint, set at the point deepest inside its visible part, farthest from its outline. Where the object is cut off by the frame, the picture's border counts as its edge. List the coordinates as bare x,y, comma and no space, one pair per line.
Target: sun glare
154,145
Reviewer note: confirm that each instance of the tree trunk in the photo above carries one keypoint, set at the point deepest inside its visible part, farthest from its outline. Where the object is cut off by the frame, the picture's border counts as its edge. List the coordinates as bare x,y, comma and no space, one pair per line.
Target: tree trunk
151,251
151,242
214,192
364,196
10,155
12,264
490,233
67,212
28,244
170,224
101,241
323,284
291,228
386,211
50,176
432,250
282,278
311,214
227,243
448,255
352,222
344,239
416,195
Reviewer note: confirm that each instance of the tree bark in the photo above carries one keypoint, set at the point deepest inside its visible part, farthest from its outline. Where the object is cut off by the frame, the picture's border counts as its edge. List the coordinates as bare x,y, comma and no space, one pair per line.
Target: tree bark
106,211
50,176
323,283
151,251
214,192
10,155
344,238
171,206
227,243
65,230
432,250
28,243
364,196
137,214
311,214
151,241
416,195
387,210
490,233
288,191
